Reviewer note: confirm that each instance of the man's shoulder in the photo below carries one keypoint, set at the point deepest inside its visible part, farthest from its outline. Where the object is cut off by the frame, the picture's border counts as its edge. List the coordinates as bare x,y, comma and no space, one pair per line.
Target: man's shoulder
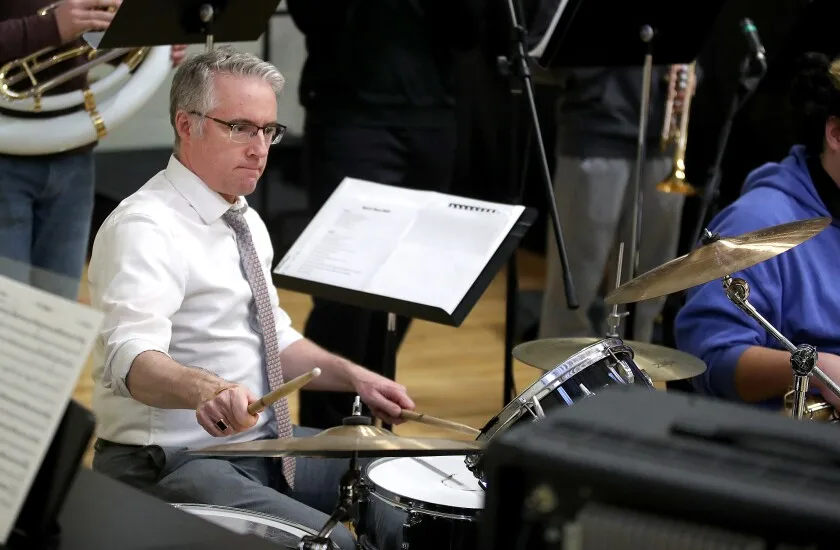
155,201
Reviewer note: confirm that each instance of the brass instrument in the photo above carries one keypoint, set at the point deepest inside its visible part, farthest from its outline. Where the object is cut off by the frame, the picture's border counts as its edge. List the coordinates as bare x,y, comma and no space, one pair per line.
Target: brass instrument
681,86
816,408
21,90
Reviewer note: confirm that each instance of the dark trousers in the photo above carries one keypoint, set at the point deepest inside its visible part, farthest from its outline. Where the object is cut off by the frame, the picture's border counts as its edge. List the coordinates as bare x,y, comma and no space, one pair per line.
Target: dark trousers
416,158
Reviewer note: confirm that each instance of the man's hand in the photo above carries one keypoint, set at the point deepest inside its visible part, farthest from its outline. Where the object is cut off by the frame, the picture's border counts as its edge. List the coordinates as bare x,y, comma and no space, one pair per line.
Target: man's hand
75,17
179,53
385,397
830,365
227,412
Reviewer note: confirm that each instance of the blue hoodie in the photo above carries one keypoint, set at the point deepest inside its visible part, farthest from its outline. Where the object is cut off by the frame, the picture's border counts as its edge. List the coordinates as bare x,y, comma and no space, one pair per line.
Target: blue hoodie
795,291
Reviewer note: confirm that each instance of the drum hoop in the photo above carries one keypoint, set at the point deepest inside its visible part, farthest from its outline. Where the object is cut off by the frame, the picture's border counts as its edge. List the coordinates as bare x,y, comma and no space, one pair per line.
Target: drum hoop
551,380
261,518
413,505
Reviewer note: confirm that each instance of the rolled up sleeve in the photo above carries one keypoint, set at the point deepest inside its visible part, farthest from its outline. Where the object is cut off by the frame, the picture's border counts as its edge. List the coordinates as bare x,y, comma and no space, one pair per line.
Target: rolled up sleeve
138,280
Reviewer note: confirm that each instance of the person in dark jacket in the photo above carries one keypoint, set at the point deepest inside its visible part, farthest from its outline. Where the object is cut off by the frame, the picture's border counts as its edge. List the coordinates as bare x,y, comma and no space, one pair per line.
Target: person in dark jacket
377,89
46,201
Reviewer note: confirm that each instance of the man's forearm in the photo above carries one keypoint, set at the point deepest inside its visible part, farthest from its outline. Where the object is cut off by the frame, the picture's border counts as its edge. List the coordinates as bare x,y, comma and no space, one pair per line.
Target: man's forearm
156,380
337,373
763,373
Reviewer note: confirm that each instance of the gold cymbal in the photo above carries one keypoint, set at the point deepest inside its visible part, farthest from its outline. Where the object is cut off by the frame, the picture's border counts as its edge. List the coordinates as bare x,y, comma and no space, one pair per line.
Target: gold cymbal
660,363
344,441
717,260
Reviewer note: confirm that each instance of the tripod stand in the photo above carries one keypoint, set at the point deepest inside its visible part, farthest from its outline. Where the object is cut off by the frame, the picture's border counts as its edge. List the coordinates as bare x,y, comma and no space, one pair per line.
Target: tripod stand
516,67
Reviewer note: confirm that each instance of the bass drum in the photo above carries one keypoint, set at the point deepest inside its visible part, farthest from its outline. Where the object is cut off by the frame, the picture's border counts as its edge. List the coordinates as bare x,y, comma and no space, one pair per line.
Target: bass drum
285,534
605,363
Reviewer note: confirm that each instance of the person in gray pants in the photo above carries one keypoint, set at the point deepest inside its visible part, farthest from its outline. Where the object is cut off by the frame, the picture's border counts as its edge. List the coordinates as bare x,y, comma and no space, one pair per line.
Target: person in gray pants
597,139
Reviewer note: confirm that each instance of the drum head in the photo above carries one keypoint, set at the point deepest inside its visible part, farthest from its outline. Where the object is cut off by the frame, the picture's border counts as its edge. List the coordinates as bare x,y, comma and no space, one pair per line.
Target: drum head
244,522
433,483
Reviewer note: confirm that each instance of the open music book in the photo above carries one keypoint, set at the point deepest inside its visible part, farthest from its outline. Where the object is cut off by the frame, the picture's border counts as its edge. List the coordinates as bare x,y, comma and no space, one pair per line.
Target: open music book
420,247
45,340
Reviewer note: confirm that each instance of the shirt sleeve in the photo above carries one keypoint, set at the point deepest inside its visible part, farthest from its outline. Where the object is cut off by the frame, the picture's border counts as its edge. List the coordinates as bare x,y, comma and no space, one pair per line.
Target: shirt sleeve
23,36
138,280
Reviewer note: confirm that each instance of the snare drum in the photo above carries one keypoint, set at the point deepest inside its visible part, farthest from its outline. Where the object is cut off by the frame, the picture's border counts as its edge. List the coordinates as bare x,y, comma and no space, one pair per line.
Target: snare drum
605,363
286,534
437,498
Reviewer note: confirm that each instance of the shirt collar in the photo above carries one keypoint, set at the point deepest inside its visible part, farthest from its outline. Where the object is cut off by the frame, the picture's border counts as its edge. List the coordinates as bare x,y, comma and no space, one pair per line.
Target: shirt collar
209,204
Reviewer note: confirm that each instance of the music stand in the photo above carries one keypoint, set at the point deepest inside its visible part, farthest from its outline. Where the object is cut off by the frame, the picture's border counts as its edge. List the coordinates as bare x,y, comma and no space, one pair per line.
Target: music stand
37,524
297,270
612,33
164,22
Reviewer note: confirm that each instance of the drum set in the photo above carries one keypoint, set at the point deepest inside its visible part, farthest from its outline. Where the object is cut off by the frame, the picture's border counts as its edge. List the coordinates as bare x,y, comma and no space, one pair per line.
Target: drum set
438,485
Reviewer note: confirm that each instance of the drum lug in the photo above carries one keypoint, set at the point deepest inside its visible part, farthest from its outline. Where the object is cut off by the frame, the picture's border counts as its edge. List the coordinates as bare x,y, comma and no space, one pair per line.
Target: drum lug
412,519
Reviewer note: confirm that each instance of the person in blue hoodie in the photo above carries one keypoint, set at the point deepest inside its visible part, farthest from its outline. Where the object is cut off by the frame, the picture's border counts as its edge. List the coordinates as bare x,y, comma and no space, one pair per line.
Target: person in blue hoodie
795,291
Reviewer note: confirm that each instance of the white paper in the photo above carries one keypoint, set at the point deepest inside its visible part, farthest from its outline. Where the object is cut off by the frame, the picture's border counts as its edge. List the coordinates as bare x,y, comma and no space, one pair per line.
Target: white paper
45,340
419,246
539,49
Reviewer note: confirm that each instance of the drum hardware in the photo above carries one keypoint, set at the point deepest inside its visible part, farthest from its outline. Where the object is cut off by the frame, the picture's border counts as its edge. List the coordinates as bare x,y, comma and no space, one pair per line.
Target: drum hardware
716,259
803,358
350,490
537,410
614,318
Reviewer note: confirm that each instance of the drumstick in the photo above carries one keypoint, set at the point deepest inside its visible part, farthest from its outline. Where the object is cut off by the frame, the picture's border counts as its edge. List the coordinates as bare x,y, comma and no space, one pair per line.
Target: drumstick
292,385
423,418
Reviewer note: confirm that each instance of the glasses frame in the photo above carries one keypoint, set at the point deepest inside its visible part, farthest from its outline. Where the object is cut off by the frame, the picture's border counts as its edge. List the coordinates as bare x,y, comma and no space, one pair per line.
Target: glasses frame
280,128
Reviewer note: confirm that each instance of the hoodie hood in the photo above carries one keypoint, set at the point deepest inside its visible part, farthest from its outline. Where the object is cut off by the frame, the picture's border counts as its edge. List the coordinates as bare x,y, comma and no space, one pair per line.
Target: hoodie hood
791,177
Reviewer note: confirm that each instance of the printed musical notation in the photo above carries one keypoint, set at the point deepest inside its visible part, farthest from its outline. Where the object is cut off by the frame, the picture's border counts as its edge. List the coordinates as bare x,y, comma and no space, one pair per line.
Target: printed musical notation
419,246
45,341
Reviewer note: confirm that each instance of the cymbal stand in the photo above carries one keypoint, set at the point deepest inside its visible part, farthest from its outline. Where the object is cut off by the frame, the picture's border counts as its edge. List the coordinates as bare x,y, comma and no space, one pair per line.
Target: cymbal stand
351,490
614,318
803,358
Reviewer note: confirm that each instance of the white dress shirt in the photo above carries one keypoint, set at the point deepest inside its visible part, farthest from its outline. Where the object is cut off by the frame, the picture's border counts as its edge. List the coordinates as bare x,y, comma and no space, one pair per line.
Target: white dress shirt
165,269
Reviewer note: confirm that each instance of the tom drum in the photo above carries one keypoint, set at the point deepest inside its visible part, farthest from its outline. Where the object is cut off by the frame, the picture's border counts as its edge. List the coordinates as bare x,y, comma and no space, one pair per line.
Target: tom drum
605,363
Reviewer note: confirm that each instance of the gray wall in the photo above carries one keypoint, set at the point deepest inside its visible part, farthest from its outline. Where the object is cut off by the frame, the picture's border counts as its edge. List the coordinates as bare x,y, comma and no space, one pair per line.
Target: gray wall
149,127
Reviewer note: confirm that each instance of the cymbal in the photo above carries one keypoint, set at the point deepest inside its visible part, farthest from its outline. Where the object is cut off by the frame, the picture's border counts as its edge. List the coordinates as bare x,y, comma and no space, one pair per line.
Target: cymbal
344,441
660,363
717,260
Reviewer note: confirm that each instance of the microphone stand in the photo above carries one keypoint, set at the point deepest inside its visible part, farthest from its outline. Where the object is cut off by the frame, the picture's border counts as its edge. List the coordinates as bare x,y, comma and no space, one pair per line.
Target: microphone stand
516,67
751,72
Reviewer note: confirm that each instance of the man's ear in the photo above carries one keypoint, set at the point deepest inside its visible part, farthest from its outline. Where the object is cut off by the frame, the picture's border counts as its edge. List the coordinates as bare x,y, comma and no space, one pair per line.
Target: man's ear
184,125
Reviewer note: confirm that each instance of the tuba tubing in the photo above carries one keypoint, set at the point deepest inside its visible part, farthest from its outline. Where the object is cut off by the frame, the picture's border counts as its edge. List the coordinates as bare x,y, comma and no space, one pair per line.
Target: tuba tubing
39,136
69,100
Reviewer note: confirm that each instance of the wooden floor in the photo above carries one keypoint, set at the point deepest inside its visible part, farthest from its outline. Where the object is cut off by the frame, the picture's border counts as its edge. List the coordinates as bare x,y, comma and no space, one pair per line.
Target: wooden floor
452,373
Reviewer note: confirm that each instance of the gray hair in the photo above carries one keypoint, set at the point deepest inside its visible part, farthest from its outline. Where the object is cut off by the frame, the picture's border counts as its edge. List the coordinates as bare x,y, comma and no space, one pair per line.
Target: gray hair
193,88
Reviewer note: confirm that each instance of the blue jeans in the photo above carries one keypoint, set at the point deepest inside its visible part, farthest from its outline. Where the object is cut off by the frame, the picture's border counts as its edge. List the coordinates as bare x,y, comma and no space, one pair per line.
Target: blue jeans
46,206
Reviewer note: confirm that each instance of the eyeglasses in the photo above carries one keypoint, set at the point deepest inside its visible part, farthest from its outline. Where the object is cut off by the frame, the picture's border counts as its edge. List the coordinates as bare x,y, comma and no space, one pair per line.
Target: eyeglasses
244,132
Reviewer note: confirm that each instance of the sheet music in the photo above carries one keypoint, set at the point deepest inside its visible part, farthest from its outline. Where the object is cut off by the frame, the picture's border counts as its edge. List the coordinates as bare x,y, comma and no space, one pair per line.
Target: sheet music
419,246
539,49
45,341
